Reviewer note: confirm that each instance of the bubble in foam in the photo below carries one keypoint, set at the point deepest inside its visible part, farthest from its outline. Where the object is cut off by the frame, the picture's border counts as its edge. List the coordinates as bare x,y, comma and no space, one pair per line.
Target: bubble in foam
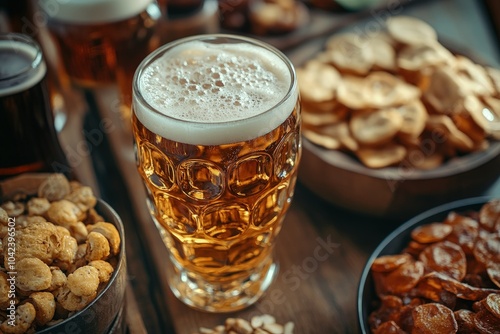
208,83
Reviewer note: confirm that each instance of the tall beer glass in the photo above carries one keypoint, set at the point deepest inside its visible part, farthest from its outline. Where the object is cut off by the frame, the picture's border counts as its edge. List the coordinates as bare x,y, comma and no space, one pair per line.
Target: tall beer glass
103,41
216,123
28,138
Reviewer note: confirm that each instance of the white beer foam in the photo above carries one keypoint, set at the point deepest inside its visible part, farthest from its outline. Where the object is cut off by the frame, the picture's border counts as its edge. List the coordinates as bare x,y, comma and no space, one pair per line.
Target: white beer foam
93,11
211,94
30,81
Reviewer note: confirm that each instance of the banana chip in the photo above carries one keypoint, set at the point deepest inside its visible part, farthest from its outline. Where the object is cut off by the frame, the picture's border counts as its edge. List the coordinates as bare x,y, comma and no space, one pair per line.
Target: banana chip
350,53
312,118
325,141
409,30
382,90
494,75
445,93
351,93
424,160
414,117
319,81
375,127
336,136
419,56
379,157
473,122
475,76
445,125
384,55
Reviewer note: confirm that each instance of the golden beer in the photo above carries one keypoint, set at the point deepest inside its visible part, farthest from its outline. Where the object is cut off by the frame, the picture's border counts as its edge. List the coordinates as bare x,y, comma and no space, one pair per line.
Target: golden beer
216,125
103,42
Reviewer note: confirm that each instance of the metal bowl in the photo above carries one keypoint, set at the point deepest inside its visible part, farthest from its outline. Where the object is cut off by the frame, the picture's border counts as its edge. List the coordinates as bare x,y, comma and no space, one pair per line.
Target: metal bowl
105,314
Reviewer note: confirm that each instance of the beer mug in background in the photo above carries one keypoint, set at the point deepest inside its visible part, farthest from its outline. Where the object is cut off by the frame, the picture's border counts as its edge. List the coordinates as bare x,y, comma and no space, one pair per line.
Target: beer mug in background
29,139
103,41
19,17
216,123
187,18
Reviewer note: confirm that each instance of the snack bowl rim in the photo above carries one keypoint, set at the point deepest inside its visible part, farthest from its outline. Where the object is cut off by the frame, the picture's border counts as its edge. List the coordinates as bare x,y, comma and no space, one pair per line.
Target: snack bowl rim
402,192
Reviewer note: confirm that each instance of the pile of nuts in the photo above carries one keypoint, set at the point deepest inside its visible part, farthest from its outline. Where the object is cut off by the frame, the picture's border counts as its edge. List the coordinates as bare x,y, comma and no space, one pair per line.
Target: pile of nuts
446,280
398,96
56,254
263,324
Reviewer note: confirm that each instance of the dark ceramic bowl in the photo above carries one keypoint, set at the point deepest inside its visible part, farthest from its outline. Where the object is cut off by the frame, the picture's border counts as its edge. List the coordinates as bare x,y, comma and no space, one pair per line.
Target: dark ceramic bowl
105,314
395,242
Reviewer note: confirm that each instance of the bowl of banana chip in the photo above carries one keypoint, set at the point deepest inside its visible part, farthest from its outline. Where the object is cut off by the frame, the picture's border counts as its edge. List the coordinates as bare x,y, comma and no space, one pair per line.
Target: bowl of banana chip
395,123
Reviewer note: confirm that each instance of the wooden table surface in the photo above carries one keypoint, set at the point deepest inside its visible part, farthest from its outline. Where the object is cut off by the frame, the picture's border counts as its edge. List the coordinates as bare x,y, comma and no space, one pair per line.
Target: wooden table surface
317,293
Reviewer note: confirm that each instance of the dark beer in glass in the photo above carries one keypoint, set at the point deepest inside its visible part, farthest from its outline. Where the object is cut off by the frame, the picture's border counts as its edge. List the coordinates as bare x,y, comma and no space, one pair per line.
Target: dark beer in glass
27,134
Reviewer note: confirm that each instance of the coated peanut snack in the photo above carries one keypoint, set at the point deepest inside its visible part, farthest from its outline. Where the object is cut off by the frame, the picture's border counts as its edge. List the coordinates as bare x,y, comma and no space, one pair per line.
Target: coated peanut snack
446,280
56,254
261,324
398,96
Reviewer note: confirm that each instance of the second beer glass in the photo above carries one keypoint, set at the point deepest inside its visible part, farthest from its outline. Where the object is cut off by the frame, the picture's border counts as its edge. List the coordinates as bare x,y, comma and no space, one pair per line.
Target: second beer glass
102,42
216,122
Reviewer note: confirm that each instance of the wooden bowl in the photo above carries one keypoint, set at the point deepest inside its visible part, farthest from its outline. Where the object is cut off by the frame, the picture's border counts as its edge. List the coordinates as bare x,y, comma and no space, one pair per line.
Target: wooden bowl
395,192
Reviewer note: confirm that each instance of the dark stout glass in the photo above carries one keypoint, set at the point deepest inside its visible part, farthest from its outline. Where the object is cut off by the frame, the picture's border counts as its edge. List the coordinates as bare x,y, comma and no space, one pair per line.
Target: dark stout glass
29,139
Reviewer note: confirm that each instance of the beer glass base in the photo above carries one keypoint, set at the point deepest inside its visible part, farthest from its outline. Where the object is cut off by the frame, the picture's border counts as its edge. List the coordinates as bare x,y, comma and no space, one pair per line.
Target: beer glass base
221,298
193,290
